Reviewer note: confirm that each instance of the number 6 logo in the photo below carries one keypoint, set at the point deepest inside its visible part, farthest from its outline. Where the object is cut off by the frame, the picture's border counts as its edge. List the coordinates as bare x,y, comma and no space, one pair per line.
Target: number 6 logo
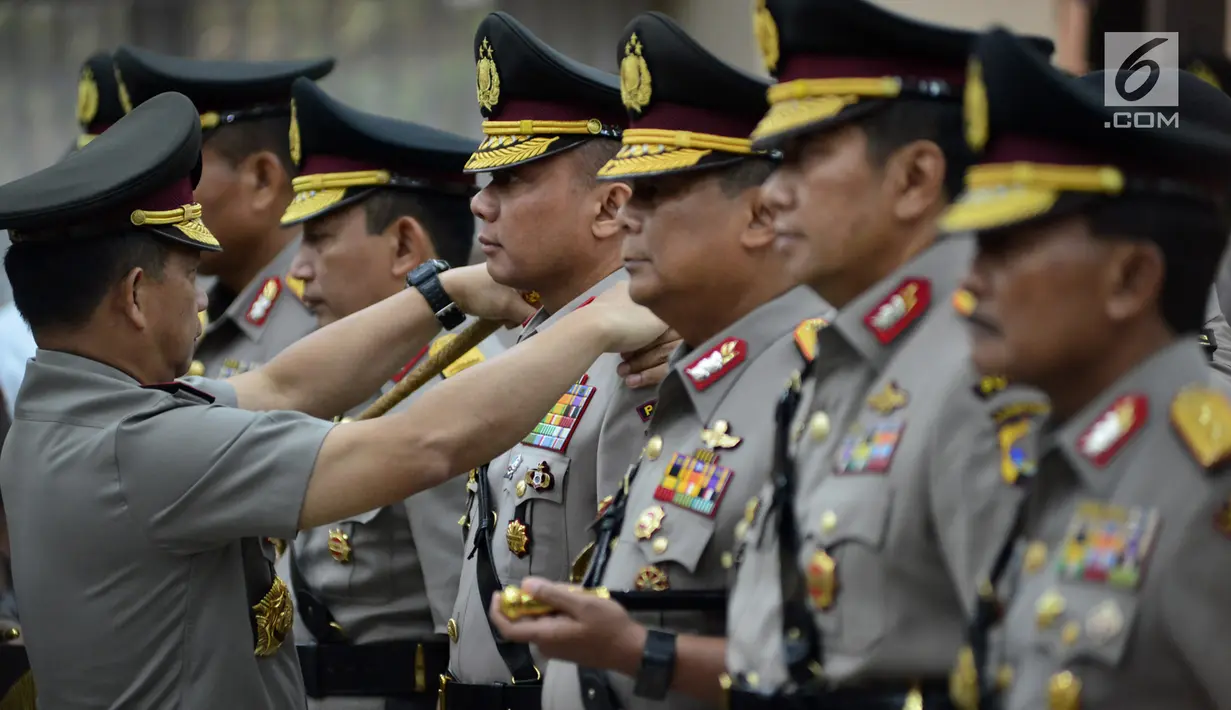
1132,64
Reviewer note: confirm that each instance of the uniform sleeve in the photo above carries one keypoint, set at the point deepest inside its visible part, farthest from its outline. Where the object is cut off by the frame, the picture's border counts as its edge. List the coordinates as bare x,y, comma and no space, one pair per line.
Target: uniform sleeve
1195,594
973,506
222,391
200,476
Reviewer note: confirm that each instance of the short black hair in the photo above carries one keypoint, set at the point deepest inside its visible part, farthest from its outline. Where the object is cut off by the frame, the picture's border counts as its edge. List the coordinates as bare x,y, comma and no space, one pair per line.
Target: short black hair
236,141
744,174
594,154
446,218
1191,236
903,121
59,284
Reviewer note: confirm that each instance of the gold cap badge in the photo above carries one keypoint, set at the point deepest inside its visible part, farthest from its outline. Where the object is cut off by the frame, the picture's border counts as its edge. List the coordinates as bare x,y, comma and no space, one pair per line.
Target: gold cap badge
488,78
635,86
87,97
766,30
296,146
126,101
975,107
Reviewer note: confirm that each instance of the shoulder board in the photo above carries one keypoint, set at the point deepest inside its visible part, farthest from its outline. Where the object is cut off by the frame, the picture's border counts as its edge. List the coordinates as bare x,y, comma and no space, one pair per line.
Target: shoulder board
806,338
468,359
263,302
1202,418
177,387
294,285
990,385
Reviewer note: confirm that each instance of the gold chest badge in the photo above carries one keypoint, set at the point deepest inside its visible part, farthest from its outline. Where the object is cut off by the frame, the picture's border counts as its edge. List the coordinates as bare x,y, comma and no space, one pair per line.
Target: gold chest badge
339,545
274,617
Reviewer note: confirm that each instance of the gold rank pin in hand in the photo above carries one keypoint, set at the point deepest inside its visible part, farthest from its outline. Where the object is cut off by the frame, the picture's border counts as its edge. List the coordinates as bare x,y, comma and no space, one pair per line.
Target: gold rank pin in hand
516,604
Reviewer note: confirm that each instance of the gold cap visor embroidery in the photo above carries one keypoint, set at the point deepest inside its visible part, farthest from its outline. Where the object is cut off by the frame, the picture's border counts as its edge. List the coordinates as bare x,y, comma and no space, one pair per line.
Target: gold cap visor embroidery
316,193
649,151
798,103
999,195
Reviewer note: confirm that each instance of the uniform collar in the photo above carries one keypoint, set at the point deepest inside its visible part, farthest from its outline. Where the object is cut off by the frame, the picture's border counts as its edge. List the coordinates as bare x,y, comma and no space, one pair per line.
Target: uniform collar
77,363
268,287
1098,441
880,319
542,320
705,374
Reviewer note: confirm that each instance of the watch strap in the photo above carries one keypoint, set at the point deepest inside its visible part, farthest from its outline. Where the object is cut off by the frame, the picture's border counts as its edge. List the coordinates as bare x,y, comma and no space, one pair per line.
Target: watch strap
657,665
426,279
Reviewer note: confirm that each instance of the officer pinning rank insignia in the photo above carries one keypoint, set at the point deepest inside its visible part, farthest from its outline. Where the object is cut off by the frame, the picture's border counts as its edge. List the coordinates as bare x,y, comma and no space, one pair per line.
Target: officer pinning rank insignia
697,482
904,306
1202,418
263,302
556,428
1107,544
710,367
1113,428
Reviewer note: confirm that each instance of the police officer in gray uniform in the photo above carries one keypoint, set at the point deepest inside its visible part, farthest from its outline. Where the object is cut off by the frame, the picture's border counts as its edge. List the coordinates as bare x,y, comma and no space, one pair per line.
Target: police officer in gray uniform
377,199
701,254
254,307
857,570
1097,249
548,226
136,508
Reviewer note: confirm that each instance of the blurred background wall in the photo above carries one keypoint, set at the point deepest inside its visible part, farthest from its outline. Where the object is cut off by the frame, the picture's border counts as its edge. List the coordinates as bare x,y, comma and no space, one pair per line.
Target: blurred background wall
406,58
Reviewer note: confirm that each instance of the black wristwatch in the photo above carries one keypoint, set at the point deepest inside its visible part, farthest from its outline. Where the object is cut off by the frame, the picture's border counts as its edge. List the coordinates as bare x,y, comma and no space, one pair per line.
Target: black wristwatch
426,279
657,665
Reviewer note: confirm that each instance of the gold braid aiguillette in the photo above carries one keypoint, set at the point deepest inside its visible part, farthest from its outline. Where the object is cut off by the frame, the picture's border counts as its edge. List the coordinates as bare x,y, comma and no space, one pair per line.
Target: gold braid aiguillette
516,604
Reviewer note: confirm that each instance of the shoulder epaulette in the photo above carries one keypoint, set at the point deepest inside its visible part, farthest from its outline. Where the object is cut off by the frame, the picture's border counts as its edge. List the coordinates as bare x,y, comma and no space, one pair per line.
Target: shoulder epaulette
1202,418
263,302
806,338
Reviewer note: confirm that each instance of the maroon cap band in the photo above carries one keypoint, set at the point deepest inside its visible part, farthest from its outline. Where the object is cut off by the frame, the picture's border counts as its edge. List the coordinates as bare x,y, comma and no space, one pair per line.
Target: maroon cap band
811,66
676,117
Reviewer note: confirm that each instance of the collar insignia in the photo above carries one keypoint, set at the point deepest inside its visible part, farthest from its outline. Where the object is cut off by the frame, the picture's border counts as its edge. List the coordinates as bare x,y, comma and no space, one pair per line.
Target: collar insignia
1113,428
806,337
710,367
1202,418
645,410
258,310
904,306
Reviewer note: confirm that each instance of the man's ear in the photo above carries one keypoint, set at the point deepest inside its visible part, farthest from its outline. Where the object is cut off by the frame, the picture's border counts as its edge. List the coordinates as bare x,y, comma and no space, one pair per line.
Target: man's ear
759,232
1137,272
915,177
411,245
268,180
610,197
132,295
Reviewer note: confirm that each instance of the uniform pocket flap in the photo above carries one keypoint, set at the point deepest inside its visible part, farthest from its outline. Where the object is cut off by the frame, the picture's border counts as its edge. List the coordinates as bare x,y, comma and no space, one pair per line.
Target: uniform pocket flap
680,536
852,510
536,474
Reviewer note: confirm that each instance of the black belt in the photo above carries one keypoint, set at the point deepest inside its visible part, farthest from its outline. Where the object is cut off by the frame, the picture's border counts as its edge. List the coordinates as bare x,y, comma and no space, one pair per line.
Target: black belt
465,696
389,669
934,694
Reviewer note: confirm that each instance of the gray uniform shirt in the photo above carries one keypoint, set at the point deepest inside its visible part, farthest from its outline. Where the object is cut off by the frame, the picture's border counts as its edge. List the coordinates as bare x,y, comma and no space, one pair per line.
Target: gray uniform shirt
1121,598
391,573
891,425
127,506
710,449
584,445
261,321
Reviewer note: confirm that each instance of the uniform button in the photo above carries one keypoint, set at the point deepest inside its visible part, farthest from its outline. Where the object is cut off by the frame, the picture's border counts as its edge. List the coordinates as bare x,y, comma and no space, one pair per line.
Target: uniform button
659,545
829,521
741,529
654,447
728,560
1048,608
452,629
1063,691
1035,558
752,679
196,369
1070,633
818,426
520,488
1104,622
1004,677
